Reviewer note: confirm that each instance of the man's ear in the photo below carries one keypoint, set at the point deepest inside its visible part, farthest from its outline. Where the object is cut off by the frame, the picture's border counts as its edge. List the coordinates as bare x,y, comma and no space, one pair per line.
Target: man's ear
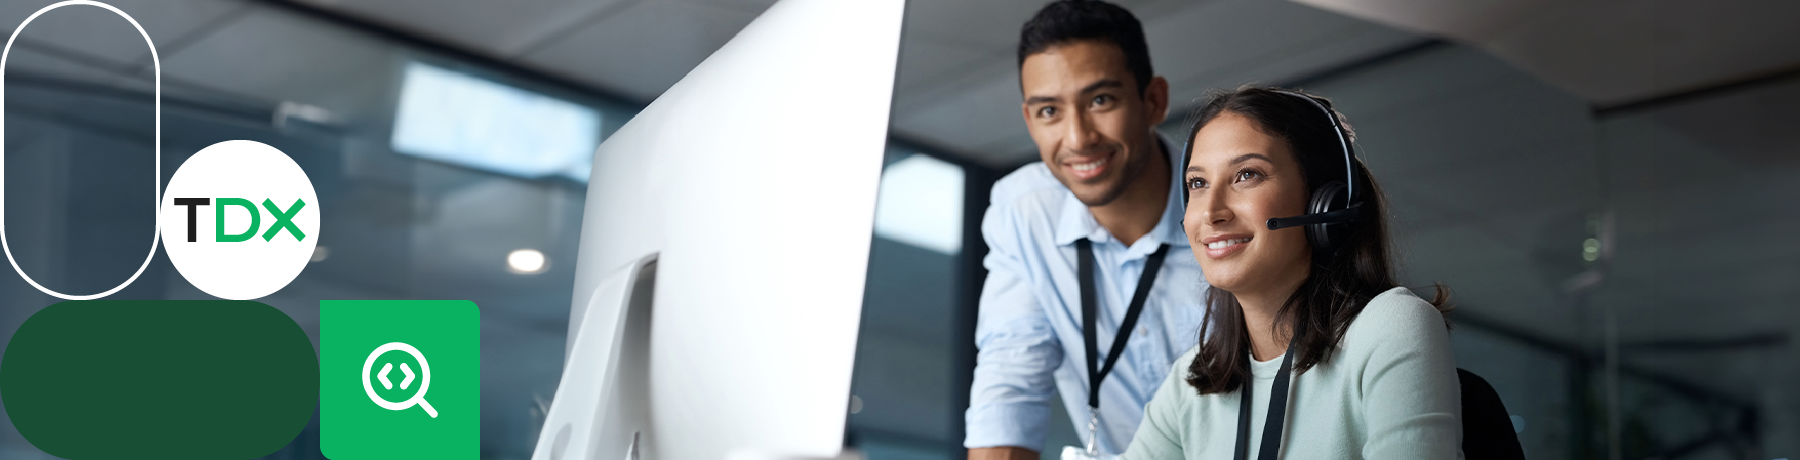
1156,100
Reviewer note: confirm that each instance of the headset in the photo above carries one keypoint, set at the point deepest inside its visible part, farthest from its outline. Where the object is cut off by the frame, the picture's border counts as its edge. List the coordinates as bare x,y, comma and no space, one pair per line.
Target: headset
1333,203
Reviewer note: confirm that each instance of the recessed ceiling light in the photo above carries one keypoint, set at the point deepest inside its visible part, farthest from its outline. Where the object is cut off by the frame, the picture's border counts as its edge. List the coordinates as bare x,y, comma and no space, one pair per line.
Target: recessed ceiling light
526,262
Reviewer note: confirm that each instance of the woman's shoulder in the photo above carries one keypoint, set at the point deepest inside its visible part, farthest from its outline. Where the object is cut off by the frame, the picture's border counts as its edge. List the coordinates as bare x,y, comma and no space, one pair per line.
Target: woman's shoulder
1178,373
1398,307
1395,315
1187,358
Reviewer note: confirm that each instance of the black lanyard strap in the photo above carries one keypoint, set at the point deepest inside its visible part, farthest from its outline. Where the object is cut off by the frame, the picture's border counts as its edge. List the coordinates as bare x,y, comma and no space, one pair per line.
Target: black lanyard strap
1271,439
1089,311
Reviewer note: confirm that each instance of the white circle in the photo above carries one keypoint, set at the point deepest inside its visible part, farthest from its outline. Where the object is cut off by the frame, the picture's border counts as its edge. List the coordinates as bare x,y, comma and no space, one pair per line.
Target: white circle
239,178
424,379
525,261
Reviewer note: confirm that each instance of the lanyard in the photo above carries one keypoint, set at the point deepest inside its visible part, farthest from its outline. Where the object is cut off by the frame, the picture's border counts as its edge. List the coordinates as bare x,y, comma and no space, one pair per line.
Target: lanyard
1088,314
1271,439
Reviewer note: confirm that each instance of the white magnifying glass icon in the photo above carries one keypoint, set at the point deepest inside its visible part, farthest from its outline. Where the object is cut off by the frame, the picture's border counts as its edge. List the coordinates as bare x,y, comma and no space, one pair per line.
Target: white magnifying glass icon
424,384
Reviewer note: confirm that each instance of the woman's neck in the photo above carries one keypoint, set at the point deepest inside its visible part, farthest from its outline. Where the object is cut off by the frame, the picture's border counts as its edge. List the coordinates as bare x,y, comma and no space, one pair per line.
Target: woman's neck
1261,310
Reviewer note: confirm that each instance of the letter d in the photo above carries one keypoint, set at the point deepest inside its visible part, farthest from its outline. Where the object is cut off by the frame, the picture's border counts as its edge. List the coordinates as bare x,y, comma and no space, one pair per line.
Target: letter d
219,220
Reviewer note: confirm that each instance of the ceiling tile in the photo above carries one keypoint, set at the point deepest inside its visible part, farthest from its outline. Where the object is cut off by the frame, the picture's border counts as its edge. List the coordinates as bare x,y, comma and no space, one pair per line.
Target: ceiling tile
273,56
970,118
644,49
502,28
987,24
929,65
1226,43
100,33
1611,51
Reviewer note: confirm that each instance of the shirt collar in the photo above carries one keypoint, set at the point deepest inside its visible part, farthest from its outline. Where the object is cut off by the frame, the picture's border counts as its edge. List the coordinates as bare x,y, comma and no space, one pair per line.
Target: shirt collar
1077,222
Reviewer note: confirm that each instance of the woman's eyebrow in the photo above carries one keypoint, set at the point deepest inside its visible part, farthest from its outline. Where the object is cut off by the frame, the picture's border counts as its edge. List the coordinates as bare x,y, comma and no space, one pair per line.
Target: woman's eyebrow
1239,159
1251,156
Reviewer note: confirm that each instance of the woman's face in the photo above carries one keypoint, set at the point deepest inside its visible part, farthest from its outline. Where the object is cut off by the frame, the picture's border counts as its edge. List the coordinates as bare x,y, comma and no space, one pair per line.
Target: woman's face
1238,178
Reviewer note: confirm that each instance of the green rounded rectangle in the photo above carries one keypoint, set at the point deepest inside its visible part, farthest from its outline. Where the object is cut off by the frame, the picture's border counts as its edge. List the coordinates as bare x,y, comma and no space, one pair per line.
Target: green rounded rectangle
133,379
399,379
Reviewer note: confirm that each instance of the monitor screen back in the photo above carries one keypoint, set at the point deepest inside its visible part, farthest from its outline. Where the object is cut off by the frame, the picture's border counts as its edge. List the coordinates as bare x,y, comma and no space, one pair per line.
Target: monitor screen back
751,184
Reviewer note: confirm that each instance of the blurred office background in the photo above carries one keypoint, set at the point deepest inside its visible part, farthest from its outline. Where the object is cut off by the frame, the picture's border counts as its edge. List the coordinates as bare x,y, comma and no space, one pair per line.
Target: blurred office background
1608,185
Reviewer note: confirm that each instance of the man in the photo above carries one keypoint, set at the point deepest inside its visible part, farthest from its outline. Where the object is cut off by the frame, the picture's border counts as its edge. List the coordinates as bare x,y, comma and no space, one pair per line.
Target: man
1091,104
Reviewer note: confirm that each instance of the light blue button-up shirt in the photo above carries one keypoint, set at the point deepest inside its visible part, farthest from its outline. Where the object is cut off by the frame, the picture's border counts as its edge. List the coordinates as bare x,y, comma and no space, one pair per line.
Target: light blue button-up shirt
1029,328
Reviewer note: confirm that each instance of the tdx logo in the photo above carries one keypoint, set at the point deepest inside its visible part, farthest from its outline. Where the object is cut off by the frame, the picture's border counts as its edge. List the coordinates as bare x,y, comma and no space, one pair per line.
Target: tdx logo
284,219
239,220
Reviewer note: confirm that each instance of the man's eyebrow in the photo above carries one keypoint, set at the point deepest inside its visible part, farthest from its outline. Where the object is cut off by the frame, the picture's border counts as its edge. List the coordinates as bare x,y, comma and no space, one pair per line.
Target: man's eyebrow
1239,159
1107,83
1091,87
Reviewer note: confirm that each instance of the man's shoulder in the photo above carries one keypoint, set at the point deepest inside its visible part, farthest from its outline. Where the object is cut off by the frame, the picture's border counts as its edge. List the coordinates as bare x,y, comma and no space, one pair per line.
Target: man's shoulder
1031,183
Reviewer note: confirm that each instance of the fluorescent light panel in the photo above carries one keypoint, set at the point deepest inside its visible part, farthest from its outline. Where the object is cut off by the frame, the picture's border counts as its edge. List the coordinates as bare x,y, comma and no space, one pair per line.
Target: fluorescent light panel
456,118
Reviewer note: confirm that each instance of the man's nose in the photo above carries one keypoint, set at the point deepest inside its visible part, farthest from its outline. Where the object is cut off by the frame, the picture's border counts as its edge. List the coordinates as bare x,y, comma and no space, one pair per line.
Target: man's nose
1080,135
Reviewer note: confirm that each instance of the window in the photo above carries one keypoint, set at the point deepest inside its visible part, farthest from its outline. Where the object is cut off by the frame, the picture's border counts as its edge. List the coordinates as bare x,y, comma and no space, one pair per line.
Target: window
460,119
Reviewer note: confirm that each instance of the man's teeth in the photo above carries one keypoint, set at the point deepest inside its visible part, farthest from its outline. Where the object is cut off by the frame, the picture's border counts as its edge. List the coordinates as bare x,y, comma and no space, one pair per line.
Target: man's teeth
1227,243
1085,167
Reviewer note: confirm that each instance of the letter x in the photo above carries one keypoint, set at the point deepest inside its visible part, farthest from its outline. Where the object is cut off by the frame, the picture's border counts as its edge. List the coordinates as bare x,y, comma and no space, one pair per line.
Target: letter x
284,219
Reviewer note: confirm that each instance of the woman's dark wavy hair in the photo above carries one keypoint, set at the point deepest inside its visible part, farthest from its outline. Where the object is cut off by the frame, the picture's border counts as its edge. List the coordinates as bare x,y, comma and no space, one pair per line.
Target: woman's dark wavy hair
1342,281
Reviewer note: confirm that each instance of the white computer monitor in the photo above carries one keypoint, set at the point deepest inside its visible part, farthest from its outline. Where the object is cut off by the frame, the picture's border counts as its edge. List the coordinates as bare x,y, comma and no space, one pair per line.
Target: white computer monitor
724,247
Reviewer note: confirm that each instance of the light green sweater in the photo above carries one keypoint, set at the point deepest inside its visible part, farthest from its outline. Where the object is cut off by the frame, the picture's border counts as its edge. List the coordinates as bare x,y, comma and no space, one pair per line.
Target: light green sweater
1388,392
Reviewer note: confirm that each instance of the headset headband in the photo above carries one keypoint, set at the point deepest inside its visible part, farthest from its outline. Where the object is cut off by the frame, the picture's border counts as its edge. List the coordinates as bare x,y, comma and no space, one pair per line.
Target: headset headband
1343,141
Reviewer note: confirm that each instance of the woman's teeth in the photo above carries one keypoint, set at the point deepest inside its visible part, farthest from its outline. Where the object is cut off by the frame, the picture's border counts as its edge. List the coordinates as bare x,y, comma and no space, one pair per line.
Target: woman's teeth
1227,243
1084,167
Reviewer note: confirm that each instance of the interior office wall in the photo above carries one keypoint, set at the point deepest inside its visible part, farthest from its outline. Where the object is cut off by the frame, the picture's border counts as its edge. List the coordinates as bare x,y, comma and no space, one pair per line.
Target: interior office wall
1490,174
1623,277
79,175
915,347
1705,280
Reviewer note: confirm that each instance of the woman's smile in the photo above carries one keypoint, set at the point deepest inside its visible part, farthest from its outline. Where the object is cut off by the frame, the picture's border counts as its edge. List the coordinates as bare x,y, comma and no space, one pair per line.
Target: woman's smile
1222,246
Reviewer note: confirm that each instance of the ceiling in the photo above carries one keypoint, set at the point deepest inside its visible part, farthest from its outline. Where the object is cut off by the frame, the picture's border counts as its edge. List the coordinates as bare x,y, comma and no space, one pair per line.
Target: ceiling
1610,52
957,89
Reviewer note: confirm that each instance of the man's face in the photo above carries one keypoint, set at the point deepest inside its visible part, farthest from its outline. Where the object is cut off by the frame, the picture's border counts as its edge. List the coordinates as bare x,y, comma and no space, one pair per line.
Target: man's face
1084,111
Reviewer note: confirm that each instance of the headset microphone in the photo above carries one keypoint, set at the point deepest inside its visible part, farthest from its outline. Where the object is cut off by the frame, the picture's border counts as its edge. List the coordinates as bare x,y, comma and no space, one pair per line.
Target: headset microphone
1332,217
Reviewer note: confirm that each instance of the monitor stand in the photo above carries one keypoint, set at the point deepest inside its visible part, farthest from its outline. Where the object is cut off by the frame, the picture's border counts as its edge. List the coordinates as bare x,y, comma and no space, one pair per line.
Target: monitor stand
601,407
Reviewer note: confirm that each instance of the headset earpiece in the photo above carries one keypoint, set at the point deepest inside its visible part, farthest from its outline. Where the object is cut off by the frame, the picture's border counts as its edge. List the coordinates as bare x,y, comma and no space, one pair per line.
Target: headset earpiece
1329,197
1333,201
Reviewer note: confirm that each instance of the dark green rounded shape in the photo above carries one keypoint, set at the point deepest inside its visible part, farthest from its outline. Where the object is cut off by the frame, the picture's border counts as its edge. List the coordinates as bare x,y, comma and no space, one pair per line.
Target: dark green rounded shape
189,379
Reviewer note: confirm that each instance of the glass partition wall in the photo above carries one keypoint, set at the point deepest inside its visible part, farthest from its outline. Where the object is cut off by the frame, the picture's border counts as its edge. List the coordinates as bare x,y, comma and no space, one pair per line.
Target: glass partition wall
450,220
1695,293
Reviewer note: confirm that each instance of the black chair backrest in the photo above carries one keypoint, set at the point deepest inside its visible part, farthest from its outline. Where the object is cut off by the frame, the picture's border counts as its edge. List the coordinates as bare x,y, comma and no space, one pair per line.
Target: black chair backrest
1487,429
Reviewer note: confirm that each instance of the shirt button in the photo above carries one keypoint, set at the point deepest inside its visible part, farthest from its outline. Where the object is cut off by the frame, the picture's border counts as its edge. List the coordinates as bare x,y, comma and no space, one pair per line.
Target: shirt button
1143,331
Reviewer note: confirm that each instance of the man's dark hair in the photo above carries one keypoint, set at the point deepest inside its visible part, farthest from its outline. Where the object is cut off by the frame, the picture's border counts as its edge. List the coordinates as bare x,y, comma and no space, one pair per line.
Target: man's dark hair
1065,21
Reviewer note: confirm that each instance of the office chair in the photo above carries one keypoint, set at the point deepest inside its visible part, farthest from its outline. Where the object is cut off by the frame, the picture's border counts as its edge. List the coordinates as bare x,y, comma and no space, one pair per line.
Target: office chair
1487,429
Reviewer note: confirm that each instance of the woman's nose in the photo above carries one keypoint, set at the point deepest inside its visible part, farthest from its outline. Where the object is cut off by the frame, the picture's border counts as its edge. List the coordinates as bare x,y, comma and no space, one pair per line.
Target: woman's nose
1216,211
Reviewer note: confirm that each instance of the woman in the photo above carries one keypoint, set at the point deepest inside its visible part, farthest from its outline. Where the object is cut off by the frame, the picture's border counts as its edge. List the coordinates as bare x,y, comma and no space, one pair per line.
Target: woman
1372,375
